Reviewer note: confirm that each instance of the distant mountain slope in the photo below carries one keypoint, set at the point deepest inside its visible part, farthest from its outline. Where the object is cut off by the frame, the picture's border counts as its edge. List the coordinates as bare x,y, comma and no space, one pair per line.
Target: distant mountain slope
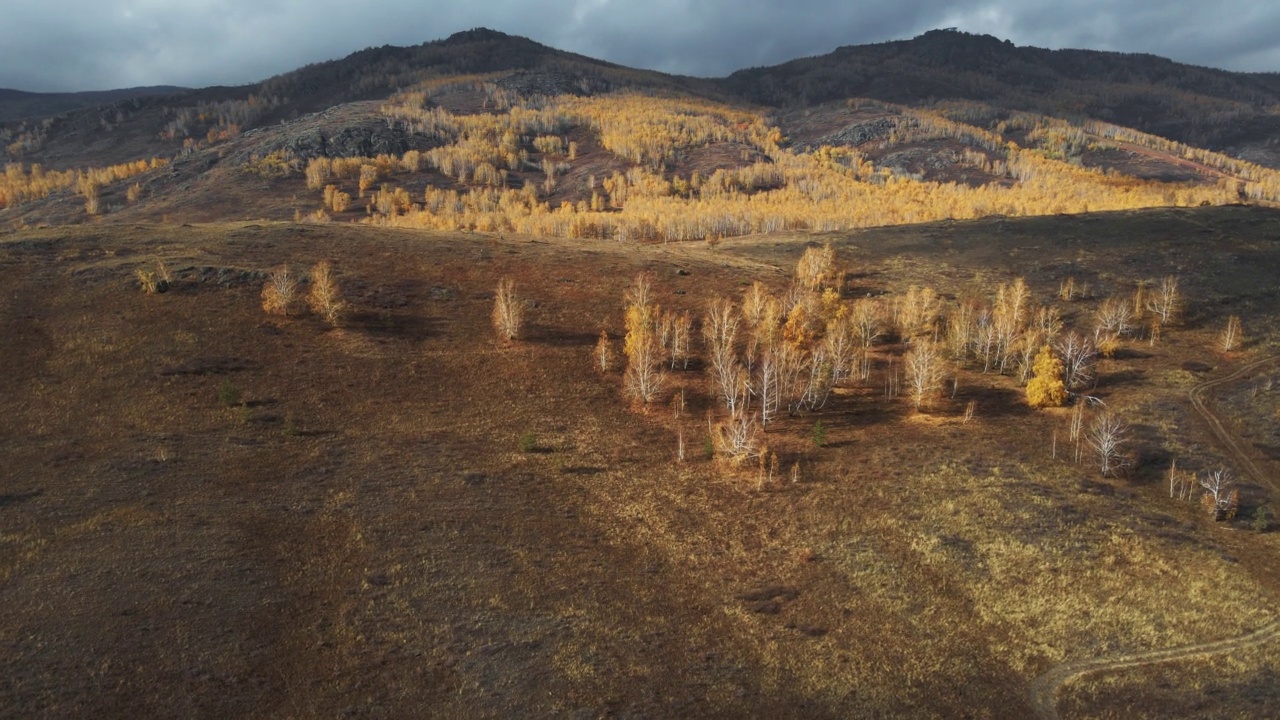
1199,106
492,132
375,72
21,105
124,128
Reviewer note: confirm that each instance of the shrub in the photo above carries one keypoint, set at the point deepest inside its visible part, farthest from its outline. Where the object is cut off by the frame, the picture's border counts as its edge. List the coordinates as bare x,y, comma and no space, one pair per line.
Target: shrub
228,394
147,280
1263,518
528,442
154,281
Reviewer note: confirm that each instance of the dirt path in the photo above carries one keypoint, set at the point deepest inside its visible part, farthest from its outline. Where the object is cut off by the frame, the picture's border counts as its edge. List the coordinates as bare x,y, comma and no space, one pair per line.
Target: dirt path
1045,688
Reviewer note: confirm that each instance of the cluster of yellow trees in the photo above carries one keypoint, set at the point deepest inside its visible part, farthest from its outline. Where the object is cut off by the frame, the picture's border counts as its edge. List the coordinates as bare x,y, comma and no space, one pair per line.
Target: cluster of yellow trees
20,185
770,355
812,196
829,189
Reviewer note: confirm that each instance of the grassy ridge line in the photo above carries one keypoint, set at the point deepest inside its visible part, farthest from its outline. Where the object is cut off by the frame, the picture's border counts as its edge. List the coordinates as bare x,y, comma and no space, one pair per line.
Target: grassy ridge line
1044,689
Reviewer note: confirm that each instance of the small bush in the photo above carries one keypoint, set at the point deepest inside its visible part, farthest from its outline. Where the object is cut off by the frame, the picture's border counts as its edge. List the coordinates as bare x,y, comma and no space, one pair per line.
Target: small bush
154,281
819,435
1264,517
147,280
228,394
528,442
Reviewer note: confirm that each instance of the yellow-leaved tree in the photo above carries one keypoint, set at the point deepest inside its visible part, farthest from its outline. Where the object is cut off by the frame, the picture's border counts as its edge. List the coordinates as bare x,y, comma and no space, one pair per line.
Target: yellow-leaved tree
1046,388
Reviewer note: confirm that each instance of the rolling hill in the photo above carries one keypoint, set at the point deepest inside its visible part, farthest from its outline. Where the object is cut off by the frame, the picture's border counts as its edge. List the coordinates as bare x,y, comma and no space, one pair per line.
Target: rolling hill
480,379
947,125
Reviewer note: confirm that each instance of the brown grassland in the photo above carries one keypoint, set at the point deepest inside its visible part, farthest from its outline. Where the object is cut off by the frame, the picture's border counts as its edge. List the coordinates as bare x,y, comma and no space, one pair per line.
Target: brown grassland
209,511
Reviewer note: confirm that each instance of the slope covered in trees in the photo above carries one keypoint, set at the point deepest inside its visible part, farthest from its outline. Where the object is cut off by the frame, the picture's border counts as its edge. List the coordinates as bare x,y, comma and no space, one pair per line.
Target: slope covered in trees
485,131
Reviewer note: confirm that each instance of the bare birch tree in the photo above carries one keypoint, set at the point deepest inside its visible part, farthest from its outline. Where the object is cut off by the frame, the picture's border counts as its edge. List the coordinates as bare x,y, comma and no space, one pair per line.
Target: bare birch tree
924,371
766,384
1113,319
720,330
1107,436
1165,302
1079,356
1220,494
1009,318
324,297
280,294
738,438
1232,337
508,311
644,378
866,317
604,353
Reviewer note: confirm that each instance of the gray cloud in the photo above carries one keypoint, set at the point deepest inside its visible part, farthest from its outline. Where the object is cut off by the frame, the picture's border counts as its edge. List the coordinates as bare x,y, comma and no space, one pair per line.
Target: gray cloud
60,45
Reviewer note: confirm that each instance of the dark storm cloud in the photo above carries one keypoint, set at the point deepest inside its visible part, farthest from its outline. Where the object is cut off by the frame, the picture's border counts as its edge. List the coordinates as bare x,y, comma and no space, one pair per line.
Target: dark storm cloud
83,44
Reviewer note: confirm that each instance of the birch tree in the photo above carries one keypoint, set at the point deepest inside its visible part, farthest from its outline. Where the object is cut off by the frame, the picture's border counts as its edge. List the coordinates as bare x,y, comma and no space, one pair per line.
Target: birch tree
1165,302
1232,337
720,331
280,293
1107,436
508,311
1220,494
1079,355
324,297
924,371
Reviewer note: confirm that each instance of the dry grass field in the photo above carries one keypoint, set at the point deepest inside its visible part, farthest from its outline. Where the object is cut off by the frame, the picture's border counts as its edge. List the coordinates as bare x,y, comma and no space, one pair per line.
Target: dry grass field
209,511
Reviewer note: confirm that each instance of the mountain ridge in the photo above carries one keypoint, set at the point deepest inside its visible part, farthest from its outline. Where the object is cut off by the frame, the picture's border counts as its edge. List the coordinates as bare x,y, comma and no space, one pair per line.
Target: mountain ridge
455,122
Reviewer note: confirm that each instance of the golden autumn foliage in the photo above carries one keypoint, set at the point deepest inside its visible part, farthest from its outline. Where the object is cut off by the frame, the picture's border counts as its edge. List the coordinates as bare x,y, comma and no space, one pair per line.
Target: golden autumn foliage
776,188
1046,388
19,185
325,298
280,292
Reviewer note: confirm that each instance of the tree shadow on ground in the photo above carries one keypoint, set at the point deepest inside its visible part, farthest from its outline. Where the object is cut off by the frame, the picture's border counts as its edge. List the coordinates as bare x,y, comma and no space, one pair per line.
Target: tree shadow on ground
558,337
388,324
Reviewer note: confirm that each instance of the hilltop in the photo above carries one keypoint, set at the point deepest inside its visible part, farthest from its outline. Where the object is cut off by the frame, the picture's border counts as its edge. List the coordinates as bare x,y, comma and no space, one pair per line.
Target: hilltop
1205,107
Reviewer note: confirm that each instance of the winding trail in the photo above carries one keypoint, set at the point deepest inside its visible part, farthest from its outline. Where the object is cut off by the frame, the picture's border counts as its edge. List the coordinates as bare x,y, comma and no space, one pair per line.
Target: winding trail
1044,688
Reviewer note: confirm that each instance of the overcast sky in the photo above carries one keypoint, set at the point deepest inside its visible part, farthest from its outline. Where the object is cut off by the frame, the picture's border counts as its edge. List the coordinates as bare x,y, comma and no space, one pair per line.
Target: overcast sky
64,45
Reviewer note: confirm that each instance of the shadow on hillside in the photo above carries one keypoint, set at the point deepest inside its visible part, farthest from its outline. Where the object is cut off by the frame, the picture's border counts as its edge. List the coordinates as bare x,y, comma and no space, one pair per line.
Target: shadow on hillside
1150,460
382,323
995,401
9,499
1122,377
558,337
